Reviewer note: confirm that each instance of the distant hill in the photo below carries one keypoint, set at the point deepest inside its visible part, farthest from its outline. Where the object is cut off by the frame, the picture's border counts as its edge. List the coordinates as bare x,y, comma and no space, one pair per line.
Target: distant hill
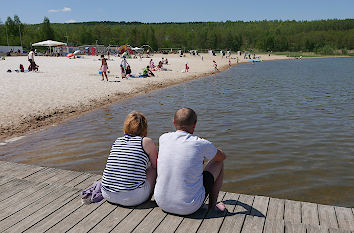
322,36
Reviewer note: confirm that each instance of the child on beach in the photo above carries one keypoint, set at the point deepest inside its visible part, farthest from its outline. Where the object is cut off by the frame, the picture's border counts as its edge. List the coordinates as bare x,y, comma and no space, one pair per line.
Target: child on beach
187,67
104,68
215,66
122,70
128,72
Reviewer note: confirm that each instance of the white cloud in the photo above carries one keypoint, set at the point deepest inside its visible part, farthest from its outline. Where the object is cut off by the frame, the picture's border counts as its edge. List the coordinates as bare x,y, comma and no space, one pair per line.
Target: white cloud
70,21
65,9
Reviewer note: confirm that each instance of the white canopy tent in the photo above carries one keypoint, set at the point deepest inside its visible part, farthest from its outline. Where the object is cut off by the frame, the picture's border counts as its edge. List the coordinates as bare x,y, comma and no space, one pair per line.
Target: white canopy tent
49,43
138,50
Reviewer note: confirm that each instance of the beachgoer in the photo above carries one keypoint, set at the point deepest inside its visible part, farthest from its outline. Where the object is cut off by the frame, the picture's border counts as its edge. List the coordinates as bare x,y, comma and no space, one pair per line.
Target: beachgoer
104,67
31,60
182,185
124,63
128,179
159,66
147,72
166,61
122,70
187,67
128,72
229,62
151,64
215,65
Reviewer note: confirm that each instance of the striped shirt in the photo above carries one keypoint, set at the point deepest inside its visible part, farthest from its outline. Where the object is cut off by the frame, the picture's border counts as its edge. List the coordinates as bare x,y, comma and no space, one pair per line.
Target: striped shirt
126,165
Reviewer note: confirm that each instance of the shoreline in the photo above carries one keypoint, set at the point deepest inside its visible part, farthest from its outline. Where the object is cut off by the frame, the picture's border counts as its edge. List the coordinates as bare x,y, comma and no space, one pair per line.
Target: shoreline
35,122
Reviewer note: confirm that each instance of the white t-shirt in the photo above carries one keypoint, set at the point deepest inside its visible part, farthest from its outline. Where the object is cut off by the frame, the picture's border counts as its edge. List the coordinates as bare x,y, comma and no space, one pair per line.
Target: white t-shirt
31,55
179,187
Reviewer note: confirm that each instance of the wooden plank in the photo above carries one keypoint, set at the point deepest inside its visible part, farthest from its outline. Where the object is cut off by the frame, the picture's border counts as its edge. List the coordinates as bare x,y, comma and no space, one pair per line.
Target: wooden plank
56,217
88,182
23,213
63,177
129,223
169,223
327,216
111,220
29,191
333,230
41,176
151,221
75,217
42,193
12,187
276,209
309,213
74,182
20,171
243,207
292,211
93,218
192,222
316,229
292,227
213,220
43,212
230,200
274,226
5,179
345,218
255,221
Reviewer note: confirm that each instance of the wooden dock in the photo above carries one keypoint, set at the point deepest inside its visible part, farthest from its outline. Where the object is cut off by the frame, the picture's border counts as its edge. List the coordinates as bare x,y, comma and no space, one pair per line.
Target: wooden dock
41,199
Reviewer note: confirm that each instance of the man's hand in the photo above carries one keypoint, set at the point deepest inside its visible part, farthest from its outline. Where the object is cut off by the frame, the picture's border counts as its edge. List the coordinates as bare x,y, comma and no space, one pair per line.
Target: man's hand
219,156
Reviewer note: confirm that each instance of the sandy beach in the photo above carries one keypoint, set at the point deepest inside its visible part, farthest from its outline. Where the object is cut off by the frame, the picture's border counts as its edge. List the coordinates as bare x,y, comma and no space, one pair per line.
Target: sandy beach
65,88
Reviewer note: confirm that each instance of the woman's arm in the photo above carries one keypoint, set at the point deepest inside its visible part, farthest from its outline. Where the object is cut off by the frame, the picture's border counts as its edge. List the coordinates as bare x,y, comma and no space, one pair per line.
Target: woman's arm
150,149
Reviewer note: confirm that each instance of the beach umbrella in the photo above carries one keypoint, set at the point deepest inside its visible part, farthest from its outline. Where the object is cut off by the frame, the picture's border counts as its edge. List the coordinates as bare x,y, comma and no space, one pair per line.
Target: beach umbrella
70,55
76,52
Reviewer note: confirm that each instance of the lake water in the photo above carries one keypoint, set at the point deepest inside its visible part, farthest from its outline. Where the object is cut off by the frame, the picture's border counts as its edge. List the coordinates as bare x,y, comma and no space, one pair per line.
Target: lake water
286,126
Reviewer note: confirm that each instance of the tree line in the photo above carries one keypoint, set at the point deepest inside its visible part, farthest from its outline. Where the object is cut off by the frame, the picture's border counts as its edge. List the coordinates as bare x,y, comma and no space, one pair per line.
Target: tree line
321,36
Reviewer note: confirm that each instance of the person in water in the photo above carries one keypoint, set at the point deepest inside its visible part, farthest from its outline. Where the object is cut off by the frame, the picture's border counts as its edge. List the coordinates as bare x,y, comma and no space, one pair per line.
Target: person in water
104,67
182,185
128,179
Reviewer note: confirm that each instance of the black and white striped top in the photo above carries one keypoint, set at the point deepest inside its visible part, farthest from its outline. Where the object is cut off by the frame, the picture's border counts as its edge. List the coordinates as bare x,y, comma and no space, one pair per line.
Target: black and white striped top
126,165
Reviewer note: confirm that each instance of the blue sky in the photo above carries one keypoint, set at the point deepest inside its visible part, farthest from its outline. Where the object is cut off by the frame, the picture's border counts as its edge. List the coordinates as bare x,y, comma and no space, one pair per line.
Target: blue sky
174,10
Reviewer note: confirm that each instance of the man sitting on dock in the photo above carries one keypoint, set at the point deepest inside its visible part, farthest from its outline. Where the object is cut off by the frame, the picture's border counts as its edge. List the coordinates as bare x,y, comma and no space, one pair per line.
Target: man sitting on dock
182,185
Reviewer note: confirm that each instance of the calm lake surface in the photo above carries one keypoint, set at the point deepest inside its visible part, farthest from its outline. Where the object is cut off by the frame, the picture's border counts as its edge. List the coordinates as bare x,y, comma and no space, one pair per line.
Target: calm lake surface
286,126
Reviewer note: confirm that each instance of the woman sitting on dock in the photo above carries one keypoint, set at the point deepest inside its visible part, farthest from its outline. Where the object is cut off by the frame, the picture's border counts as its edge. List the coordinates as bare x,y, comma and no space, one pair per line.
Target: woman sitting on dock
128,180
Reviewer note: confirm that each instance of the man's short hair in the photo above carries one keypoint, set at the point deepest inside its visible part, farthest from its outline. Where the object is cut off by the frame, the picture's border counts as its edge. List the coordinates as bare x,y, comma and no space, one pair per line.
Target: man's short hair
185,117
135,124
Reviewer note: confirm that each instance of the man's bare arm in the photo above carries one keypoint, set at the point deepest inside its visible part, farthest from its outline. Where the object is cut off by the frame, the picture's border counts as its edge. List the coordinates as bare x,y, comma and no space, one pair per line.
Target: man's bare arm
219,156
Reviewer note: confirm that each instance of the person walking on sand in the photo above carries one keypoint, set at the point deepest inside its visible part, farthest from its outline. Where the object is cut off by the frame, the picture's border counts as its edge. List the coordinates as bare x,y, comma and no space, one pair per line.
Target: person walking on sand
187,67
182,185
104,67
31,60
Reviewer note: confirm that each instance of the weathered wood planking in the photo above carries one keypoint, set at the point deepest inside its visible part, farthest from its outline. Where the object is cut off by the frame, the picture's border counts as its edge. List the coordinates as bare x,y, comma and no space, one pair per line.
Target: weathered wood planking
39,199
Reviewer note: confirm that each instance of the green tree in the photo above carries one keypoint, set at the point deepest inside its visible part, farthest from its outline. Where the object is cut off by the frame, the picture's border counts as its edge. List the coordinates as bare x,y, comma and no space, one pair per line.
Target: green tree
47,33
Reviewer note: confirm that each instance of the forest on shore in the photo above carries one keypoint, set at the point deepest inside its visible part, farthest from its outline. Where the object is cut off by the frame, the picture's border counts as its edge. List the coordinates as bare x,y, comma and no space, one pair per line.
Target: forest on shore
330,36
